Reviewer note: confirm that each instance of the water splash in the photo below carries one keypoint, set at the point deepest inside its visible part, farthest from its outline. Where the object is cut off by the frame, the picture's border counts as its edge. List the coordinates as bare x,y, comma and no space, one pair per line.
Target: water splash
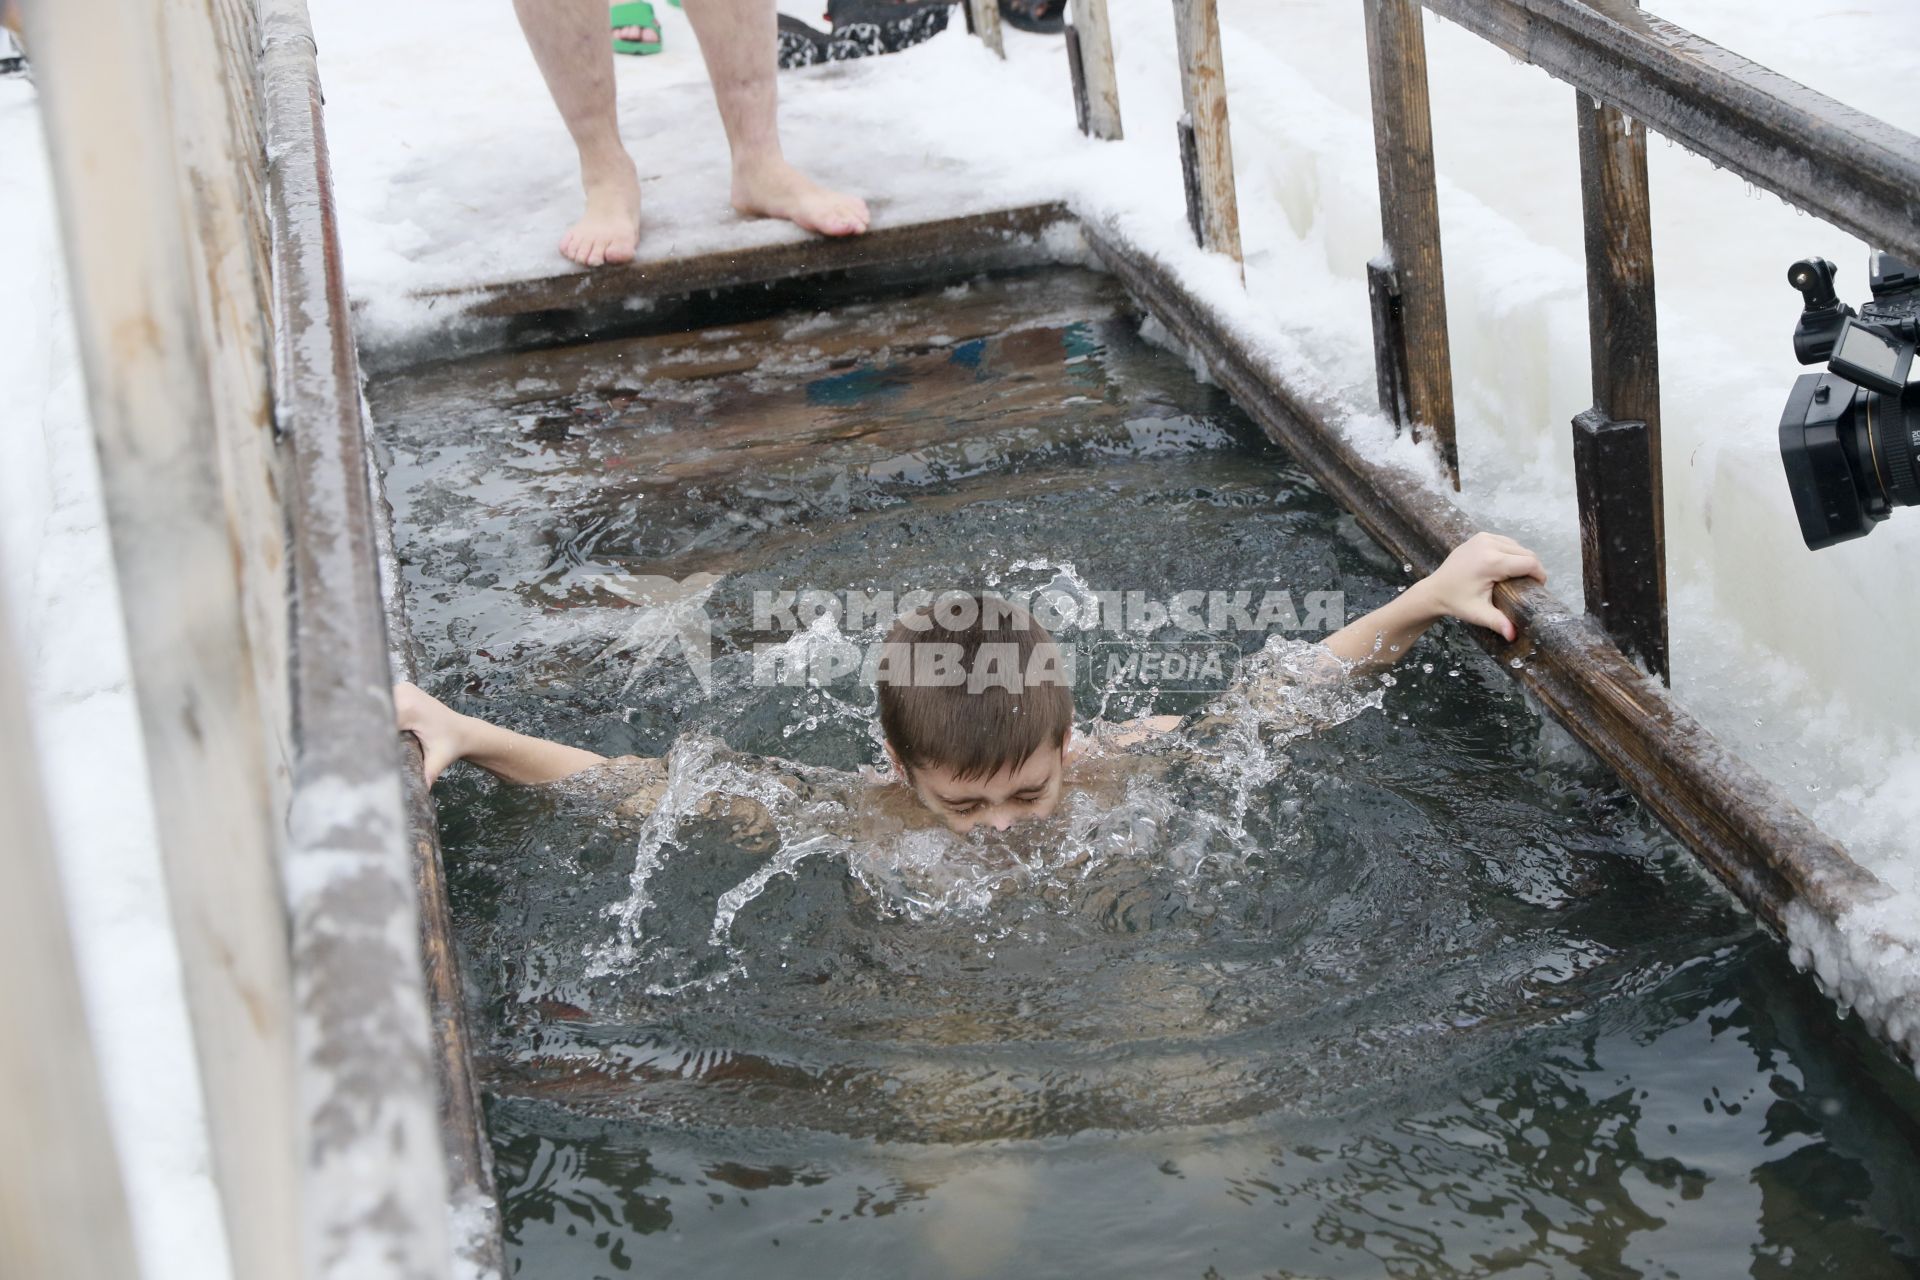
1178,804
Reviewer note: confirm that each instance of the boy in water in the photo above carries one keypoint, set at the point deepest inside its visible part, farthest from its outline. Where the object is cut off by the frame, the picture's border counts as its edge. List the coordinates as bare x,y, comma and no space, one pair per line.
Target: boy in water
996,749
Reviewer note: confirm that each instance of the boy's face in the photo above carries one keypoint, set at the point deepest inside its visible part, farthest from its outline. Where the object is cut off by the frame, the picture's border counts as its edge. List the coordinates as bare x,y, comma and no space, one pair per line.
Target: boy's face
1013,795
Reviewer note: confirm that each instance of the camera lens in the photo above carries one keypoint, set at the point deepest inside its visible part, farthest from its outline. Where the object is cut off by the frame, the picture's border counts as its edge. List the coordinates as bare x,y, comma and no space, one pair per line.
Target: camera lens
1893,433
1850,455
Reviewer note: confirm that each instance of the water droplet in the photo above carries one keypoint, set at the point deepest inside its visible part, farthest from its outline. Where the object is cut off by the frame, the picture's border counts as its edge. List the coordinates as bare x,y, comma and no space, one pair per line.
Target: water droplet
1515,663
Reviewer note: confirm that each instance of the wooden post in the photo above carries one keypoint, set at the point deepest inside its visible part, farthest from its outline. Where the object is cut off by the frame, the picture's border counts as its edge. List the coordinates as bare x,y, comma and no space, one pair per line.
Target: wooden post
1206,142
1096,90
1618,558
212,56
1410,221
113,127
1617,445
62,1210
1389,339
983,19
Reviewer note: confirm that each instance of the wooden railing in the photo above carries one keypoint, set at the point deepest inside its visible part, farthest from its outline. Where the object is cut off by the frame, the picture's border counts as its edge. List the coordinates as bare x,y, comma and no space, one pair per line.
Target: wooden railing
191,172
1631,71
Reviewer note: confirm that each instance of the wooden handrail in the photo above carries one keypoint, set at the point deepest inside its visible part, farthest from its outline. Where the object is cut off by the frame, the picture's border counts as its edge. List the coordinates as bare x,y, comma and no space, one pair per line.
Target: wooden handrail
1840,164
369,1122
167,369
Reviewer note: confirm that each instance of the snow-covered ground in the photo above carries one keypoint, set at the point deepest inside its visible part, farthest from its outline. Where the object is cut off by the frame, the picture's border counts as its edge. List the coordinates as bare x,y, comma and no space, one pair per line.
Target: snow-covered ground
452,170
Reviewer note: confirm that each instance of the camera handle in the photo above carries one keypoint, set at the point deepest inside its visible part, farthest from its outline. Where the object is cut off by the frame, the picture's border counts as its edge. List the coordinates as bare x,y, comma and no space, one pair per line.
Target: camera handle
1823,315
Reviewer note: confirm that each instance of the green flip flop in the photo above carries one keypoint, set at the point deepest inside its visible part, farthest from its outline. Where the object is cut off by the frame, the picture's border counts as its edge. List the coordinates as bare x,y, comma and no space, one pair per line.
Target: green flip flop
635,13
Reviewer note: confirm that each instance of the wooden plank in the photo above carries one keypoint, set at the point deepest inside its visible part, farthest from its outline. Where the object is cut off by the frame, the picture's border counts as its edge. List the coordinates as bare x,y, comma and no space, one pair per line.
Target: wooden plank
463,1124
1739,826
983,19
1859,173
154,404
1622,507
1190,180
1389,339
1096,89
1203,93
62,1209
375,1192
211,53
1619,546
930,243
1410,220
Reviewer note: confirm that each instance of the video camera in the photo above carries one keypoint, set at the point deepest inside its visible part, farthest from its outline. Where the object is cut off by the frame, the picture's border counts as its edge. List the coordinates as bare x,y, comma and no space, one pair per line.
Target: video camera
1850,436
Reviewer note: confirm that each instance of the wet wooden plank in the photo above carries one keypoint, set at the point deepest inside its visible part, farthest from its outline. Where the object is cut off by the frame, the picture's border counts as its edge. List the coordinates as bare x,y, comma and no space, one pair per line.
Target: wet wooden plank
683,293
1620,551
1389,340
1417,349
1617,468
463,1124
1738,824
938,243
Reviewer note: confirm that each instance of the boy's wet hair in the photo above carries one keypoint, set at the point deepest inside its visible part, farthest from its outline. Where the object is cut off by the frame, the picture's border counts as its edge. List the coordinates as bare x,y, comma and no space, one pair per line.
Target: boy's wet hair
972,684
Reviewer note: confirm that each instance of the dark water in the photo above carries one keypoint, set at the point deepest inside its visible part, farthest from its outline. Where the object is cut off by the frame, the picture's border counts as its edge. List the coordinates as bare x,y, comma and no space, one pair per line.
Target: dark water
1436,998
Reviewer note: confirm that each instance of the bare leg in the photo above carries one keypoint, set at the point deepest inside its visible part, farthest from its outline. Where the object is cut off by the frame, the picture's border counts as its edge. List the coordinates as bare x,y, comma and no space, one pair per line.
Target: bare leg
737,38
573,45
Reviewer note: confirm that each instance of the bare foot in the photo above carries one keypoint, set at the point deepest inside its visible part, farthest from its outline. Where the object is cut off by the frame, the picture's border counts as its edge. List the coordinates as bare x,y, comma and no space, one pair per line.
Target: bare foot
609,230
775,189
639,35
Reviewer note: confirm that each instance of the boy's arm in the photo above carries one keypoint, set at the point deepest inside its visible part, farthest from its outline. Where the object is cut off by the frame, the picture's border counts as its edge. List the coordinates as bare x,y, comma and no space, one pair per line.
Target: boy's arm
1462,587
446,736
